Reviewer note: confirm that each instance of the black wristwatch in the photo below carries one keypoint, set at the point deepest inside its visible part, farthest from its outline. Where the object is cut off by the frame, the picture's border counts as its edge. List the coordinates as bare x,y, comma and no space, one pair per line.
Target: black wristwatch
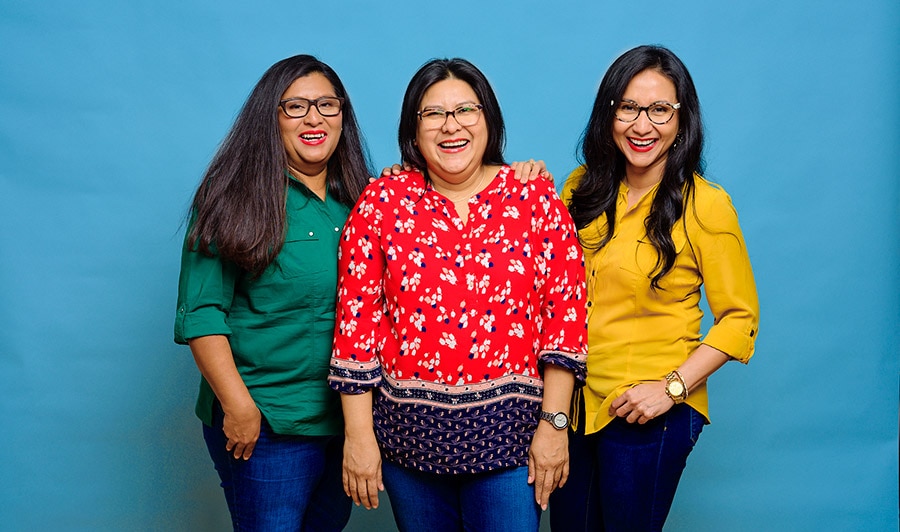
559,420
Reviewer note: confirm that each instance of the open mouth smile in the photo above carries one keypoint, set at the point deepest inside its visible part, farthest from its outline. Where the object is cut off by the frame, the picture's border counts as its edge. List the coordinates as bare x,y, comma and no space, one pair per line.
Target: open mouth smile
642,145
313,138
453,145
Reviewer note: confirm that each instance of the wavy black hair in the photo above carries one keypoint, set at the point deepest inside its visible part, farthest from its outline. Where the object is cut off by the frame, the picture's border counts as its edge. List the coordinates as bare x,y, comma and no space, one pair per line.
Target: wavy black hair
596,194
438,70
239,207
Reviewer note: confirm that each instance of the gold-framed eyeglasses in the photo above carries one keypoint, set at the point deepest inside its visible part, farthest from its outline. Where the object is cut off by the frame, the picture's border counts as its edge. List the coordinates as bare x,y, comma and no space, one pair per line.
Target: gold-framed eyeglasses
658,112
299,107
466,115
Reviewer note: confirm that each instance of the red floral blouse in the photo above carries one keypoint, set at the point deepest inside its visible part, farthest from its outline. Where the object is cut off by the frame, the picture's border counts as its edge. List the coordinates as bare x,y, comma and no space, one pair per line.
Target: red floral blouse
453,322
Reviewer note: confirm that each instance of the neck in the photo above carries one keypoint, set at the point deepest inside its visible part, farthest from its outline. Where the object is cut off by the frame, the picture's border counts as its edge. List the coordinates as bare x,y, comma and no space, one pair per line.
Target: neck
317,183
463,191
640,182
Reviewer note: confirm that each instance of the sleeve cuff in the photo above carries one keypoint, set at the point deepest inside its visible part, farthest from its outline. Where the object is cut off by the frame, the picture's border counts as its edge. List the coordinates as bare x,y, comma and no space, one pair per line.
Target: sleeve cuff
199,323
736,344
353,377
568,361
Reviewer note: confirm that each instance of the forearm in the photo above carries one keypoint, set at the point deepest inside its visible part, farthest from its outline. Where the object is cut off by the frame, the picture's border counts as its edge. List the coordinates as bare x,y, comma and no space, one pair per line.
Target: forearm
702,363
358,421
559,384
216,363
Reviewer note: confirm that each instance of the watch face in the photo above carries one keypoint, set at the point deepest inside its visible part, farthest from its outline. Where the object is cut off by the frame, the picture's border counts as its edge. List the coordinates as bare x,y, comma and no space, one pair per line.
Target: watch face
675,388
560,421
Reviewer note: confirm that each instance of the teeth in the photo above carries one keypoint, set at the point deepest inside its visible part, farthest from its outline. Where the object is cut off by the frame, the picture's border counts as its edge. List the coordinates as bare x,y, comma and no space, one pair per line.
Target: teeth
454,144
316,136
642,142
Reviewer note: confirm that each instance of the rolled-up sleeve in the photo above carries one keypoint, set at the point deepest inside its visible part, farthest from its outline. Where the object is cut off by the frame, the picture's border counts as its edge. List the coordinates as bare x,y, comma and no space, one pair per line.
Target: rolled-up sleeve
205,293
728,280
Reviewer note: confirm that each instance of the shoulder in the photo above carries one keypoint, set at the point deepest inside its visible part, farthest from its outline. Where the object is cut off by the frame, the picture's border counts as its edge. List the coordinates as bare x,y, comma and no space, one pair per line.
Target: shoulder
395,186
711,203
572,183
527,192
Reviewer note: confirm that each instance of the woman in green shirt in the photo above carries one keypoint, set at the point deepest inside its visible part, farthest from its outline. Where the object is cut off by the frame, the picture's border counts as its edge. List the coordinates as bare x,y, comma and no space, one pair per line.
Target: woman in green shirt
256,297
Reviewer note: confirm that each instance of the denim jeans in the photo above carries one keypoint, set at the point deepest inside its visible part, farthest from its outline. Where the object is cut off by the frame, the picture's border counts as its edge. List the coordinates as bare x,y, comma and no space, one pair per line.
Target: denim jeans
623,478
497,501
289,483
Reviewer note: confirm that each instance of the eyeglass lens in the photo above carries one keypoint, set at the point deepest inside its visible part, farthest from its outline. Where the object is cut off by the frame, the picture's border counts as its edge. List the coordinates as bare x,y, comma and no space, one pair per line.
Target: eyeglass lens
658,112
465,115
299,107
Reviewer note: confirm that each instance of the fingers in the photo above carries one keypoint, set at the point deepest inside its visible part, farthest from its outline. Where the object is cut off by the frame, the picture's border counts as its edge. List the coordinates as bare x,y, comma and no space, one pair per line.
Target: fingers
241,432
394,169
240,451
642,403
528,170
363,491
545,481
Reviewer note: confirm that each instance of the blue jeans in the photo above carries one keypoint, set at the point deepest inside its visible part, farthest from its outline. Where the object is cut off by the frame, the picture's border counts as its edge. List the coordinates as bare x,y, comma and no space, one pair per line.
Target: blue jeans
289,483
623,478
497,501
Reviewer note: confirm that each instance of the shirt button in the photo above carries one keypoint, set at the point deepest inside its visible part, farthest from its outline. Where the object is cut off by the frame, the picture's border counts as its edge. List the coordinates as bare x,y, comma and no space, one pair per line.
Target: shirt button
590,304
337,228
310,233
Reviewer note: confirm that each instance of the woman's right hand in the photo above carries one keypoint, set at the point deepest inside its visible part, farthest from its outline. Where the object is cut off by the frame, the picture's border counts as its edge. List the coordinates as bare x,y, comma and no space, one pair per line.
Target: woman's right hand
395,169
362,470
241,427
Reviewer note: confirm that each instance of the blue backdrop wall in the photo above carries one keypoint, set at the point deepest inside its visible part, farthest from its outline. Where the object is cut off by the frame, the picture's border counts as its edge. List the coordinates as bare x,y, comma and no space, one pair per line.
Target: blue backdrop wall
111,110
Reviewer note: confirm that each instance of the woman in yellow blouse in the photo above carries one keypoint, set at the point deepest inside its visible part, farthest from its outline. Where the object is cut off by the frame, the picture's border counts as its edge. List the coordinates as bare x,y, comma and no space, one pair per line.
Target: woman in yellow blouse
653,231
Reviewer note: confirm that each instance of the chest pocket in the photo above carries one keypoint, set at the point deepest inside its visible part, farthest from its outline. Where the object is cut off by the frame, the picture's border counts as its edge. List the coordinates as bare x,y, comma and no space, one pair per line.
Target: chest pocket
306,271
302,256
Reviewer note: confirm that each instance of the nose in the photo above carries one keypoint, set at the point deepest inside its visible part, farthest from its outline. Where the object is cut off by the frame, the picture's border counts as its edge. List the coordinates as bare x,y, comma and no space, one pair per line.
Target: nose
313,116
451,126
642,123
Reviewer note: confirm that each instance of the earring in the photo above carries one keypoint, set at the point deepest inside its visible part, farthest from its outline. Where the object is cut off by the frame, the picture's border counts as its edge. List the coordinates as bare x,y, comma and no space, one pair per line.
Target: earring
678,138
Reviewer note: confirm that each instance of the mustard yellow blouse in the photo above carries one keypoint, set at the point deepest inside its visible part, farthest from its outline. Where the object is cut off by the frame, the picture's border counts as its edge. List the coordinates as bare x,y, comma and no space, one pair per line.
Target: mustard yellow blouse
636,334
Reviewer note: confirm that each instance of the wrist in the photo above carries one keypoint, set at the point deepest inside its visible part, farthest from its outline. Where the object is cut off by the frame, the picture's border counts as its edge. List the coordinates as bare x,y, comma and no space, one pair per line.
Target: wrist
675,387
557,420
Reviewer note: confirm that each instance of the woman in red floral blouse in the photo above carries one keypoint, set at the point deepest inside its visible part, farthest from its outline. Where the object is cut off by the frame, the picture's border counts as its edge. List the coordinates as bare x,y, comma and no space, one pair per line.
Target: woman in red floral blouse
461,322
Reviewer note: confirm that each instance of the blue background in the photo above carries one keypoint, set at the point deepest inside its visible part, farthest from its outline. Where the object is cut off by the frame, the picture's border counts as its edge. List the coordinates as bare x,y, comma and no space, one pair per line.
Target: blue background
109,112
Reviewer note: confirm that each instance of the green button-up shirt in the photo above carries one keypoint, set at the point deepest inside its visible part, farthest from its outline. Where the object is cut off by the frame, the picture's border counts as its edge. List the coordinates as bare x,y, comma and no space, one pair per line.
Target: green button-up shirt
281,325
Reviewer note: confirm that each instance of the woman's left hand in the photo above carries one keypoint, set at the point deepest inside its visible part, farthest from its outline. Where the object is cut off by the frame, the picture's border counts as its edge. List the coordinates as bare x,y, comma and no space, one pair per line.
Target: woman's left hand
530,170
548,462
642,403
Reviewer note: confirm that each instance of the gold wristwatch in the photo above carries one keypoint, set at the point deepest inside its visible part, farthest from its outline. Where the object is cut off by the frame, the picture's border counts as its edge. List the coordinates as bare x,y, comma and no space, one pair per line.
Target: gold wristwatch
676,389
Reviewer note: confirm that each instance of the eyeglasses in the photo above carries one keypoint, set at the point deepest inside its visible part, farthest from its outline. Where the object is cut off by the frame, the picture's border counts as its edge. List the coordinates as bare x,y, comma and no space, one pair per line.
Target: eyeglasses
299,107
658,112
466,115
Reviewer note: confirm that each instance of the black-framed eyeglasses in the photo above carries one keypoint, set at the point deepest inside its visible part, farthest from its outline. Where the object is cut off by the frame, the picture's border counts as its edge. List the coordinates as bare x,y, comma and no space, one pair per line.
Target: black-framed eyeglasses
658,112
299,107
466,115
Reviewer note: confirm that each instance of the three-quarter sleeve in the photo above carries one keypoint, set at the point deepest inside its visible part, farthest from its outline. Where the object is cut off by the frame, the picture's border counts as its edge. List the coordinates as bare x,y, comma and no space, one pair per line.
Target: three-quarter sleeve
564,315
359,328
728,281
205,293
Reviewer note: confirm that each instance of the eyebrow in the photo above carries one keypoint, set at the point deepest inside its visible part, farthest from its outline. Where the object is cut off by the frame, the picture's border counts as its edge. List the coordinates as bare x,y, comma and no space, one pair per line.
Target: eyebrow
457,106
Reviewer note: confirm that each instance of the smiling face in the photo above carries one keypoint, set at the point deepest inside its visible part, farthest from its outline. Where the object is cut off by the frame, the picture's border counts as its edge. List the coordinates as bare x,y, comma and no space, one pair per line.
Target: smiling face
310,141
453,153
645,144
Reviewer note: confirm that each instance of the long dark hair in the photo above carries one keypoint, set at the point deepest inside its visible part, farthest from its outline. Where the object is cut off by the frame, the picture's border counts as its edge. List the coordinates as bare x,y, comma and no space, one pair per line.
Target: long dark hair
438,70
605,164
239,207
